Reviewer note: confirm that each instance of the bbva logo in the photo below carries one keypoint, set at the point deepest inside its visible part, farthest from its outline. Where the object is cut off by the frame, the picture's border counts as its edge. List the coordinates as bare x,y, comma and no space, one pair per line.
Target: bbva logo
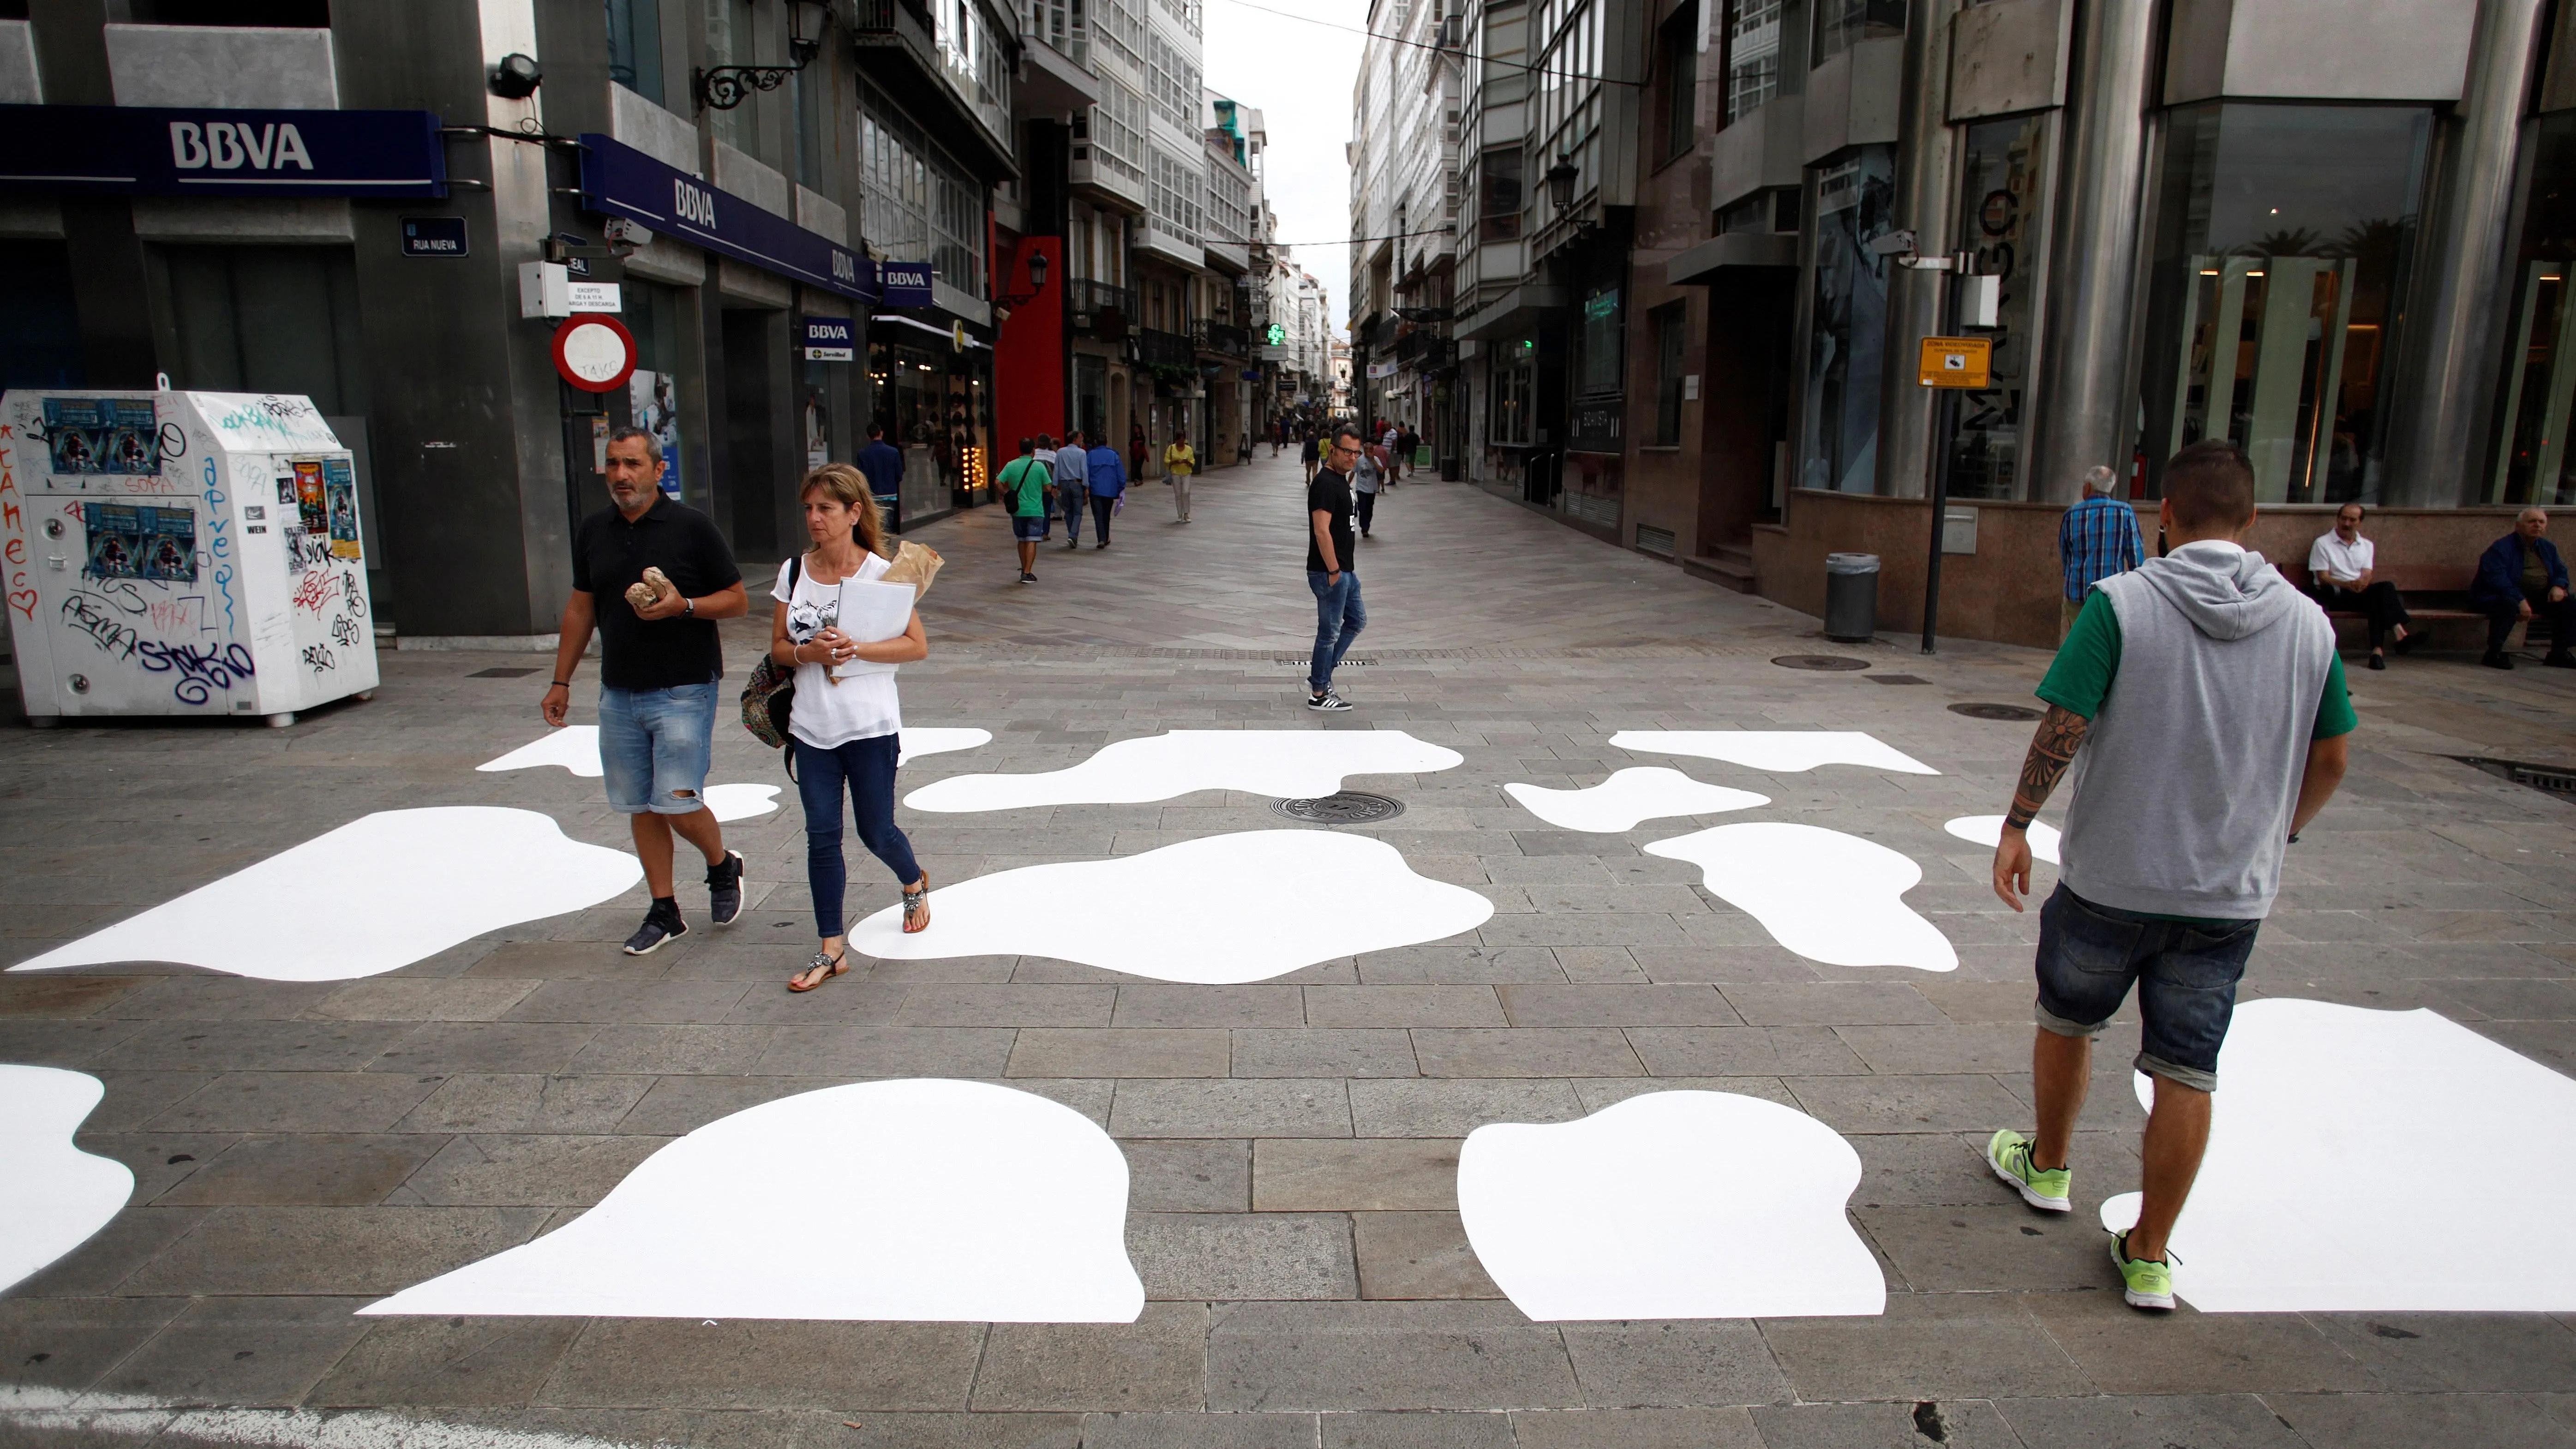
226,146
694,204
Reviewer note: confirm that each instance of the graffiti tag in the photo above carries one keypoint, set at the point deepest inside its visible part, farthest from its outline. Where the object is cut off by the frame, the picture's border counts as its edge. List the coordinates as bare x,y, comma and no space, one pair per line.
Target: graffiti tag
89,615
201,669
315,591
318,658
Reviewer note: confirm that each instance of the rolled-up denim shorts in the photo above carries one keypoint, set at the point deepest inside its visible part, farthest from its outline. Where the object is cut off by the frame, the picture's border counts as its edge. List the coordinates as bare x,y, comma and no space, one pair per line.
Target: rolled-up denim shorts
1029,527
2186,976
653,746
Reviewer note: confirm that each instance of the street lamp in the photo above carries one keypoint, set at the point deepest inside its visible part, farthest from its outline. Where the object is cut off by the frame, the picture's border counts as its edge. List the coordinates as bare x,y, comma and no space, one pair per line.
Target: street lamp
1560,184
1012,296
727,86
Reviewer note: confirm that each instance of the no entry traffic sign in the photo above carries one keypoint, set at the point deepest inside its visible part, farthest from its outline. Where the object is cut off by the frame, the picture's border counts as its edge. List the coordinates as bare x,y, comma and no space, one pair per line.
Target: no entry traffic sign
593,352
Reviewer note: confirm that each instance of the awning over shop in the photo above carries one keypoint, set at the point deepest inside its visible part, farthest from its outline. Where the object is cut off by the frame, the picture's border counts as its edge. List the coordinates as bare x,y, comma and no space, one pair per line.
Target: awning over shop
619,180
220,151
1511,311
1700,265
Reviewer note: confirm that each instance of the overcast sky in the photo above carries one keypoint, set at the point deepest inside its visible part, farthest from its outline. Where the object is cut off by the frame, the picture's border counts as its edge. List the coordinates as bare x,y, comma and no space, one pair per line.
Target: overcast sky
1299,75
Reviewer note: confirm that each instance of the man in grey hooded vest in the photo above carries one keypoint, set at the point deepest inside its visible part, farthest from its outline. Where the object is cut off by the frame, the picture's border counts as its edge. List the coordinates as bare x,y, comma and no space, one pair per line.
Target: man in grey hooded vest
2208,704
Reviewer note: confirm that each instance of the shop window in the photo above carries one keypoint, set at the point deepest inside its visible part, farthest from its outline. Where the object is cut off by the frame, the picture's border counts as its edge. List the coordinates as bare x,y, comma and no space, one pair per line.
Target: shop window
2002,180
1598,344
1847,333
1514,392
1669,325
635,46
269,319
1842,24
2533,463
2285,241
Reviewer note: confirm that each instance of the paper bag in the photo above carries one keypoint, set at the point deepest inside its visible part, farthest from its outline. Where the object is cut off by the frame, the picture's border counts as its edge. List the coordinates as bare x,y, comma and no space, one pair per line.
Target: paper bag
914,564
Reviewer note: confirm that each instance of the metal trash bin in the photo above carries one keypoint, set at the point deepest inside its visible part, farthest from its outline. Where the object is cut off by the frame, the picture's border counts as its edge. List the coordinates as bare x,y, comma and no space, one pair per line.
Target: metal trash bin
1450,471
1851,597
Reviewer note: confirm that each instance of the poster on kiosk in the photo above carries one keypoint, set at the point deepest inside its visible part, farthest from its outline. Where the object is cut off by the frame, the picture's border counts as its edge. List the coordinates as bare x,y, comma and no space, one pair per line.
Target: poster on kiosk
181,553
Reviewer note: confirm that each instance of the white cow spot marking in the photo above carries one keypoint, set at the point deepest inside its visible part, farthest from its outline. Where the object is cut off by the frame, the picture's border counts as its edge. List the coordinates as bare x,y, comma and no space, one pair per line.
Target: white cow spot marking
1988,830
52,1194
574,747
1777,751
1828,896
1639,793
1283,764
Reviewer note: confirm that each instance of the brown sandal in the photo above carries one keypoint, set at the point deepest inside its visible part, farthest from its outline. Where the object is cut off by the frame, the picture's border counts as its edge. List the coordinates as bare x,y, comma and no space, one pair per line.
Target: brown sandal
916,907
838,964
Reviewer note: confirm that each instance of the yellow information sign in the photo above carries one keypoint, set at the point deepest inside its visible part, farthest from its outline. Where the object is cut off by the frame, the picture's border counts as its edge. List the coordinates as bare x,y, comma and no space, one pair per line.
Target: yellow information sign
1955,361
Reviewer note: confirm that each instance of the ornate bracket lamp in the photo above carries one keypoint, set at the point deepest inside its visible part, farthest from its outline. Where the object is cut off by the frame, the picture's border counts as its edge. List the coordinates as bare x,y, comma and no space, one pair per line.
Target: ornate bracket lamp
726,86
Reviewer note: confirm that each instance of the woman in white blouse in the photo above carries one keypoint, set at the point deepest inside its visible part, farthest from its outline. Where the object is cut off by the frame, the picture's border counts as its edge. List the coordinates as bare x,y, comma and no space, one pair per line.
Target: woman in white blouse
846,721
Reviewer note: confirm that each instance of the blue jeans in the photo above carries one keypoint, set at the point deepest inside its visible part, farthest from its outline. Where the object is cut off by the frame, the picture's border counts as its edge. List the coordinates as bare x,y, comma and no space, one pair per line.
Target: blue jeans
653,747
1072,499
2186,976
867,767
1339,618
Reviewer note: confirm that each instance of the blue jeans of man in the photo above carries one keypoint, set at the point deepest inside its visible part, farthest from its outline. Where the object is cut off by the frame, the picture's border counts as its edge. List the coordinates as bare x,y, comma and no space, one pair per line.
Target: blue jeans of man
865,768
1073,499
1339,618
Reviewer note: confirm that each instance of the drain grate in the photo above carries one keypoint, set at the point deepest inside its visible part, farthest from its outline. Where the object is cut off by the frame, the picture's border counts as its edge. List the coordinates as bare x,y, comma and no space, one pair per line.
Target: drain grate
1898,679
501,674
2552,778
1350,807
1996,711
1825,663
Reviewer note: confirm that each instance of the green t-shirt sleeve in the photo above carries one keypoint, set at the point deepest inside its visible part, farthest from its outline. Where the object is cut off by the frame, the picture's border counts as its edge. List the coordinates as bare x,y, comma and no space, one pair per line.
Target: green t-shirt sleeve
2334,707
2081,676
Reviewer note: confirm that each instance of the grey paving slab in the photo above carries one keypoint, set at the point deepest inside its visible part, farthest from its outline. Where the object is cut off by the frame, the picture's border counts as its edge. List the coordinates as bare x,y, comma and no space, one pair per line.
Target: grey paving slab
1152,1364
1417,1255
1241,1256
1184,1176
1399,1174
1487,1430
447,1361
1971,1423
1271,1108
330,1250
314,1167
2385,1421
1349,1052
685,1363
240,1351
1363,1356
1113,1052
1928,1346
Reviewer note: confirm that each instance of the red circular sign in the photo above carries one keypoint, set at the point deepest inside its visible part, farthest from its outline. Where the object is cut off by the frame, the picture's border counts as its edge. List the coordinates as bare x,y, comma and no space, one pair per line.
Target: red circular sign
594,352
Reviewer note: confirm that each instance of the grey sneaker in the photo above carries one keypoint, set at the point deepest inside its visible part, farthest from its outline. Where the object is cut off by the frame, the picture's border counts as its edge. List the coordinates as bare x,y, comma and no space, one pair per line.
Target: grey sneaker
724,889
1328,701
659,926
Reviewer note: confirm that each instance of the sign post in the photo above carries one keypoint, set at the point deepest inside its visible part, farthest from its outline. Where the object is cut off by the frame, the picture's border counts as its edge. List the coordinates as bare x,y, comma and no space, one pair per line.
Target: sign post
1953,365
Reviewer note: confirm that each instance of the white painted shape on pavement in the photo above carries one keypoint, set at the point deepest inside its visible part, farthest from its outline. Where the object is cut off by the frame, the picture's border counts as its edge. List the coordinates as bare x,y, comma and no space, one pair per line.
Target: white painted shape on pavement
1777,751
1669,1205
86,1417
919,740
921,1199
53,1196
375,895
2368,1161
1828,896
1283,764
1218,910
574,747
1988,831
741,802
1638,793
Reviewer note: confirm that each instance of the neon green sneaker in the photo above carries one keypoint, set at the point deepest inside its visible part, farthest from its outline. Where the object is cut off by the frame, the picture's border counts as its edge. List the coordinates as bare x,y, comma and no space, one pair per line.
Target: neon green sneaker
2148,1284
2009,1155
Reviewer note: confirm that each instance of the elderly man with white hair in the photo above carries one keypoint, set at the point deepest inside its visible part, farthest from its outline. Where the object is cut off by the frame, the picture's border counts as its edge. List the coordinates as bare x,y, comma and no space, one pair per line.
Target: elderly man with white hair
2521,576
2096,539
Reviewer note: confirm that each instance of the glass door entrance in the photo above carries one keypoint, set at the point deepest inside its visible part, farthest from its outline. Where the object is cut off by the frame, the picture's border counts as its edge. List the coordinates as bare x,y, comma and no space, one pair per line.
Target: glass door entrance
2266,341
2539,388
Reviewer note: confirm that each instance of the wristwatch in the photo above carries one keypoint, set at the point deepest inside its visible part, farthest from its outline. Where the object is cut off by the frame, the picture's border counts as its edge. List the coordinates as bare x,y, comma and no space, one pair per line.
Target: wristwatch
689,607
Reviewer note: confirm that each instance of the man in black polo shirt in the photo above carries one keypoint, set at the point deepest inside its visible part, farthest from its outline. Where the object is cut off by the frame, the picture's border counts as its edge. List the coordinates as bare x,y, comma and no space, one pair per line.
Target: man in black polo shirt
1339,616
659,667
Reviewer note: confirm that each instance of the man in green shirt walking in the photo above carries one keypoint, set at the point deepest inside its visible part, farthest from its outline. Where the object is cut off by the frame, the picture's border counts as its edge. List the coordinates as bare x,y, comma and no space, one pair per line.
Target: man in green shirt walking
2209,707
1024,483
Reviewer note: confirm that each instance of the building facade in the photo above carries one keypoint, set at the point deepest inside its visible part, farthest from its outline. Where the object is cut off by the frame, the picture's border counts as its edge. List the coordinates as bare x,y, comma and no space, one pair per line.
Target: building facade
1687,293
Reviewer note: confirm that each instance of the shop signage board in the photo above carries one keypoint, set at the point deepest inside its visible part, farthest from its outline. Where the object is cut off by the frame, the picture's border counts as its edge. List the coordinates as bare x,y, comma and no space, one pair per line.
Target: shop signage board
434,236
1955,361
220,151
907,284
619,180
830,339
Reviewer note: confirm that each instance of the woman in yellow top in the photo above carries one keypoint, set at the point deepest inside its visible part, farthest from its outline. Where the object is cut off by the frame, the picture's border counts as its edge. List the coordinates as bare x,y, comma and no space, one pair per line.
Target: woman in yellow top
1179,462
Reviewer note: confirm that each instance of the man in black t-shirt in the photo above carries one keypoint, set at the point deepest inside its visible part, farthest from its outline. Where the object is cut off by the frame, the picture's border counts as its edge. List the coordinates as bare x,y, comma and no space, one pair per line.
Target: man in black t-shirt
659,670
1339,616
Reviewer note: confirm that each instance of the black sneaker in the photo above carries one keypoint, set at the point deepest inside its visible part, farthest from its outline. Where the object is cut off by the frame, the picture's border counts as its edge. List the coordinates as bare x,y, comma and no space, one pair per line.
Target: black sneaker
2496,659
1028,578
659,926
1327,701
724,889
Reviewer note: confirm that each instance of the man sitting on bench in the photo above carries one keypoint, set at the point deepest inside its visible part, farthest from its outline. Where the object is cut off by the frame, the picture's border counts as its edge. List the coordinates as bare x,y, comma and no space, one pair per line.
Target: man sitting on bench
2340,567
2520,576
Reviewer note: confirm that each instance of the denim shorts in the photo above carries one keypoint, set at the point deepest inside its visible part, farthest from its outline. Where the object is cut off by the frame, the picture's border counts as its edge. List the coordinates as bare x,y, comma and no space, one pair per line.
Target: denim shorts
2186,977
1029,527
653,746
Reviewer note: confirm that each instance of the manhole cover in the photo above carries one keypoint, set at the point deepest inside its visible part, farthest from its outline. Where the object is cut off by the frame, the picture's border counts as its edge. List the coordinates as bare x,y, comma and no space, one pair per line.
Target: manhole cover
501,674
1350,807
1829,663
2554,779
1898,679
1996,711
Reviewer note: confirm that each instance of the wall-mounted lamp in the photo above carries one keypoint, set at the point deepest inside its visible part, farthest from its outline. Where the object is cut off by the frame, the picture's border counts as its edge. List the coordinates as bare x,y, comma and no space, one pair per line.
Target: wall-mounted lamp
727,86
1560,185
1012,296
515,77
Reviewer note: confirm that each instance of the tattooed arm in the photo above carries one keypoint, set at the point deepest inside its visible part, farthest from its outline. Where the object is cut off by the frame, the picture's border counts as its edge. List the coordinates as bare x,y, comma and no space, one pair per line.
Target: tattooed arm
2052,748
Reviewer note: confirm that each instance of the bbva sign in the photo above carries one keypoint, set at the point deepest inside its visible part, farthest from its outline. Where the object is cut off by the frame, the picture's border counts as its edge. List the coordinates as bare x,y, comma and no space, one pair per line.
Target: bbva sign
225,146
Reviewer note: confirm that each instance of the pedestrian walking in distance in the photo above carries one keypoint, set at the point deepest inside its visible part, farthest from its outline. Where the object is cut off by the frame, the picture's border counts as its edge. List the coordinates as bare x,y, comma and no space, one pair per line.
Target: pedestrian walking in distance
1368,479
1330,548
1310,453
846,722
2227,732
1046,459
1106,477
652,577
2096,538
1180,460
1025,489
1072,485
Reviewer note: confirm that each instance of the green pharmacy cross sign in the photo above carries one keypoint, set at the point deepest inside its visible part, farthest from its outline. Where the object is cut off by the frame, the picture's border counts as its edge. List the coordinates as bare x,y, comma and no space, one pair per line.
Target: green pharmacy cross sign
1277,335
